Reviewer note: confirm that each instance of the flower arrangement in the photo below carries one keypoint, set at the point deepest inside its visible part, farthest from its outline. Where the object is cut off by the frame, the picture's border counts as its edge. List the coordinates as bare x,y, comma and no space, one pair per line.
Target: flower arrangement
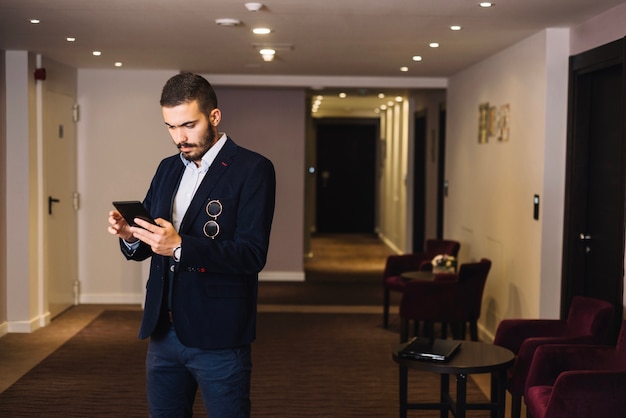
444,263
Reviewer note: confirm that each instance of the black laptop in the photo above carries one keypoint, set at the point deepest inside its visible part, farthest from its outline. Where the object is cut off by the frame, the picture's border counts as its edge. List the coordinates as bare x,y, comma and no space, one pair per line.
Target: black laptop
429,349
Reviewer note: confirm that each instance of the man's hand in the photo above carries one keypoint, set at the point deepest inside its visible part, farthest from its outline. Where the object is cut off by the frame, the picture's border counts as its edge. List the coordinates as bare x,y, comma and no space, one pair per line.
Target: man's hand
162,238
119,227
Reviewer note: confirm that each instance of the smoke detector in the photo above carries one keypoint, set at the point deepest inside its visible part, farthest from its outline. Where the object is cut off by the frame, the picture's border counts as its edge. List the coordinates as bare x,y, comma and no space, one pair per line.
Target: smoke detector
254,7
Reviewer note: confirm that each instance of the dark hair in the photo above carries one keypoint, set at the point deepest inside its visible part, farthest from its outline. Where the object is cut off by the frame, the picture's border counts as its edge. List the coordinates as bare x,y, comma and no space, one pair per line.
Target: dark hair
187,87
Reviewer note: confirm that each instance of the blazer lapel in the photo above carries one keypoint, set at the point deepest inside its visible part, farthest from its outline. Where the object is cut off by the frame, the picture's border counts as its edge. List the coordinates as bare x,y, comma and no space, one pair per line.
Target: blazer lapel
167,187
216,171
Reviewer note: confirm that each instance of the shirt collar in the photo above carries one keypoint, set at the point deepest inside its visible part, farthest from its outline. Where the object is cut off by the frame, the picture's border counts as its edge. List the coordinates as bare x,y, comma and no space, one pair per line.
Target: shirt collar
209,156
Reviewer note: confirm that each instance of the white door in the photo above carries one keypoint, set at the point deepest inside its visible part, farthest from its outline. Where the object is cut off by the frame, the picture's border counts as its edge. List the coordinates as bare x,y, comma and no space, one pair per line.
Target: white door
60,217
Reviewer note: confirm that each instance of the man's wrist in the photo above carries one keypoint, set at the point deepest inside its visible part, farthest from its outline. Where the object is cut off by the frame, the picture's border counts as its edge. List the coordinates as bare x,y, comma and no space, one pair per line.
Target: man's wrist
176,253
132,245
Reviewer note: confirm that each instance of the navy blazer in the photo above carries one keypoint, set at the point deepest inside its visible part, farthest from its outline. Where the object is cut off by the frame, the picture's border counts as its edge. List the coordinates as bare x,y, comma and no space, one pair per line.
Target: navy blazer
214,293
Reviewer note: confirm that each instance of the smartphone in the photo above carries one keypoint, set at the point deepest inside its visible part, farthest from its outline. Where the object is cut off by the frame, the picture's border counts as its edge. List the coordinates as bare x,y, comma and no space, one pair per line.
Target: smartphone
131,209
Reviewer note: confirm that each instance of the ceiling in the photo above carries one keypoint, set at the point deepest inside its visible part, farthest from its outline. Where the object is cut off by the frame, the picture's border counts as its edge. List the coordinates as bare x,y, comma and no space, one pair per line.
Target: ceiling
367,40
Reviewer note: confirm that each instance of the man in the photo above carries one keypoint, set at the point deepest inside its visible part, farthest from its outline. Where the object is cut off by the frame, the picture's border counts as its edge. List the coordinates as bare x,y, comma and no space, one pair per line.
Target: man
213,203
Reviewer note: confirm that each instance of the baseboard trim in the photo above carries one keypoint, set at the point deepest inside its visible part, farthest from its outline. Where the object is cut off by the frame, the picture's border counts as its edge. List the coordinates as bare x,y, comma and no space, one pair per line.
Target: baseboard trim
138,298
390,244
281,276
111,299
28,326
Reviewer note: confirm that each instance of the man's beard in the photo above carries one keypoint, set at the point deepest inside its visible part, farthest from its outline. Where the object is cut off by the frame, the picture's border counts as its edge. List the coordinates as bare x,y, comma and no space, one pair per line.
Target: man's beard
197,151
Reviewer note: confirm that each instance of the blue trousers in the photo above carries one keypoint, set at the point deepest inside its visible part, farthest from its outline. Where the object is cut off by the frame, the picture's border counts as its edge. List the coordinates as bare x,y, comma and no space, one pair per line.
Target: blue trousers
174,372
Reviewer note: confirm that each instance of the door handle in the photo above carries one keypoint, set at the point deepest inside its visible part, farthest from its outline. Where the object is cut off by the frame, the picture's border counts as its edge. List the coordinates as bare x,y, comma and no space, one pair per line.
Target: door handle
51,200
586,238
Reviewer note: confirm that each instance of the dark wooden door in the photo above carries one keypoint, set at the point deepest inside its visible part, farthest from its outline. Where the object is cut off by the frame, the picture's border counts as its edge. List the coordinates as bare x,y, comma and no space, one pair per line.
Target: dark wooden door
442,187
593,261
419,182
346,167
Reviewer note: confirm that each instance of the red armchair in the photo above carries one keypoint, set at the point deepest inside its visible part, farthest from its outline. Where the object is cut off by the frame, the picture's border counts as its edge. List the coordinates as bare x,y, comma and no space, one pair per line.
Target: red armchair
450,298
398,264
587,322
578,381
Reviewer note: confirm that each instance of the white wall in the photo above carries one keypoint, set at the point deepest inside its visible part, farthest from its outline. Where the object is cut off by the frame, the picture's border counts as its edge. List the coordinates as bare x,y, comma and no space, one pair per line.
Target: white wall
489,208
599,30
122,139
553,192
392,172
24,292
396,172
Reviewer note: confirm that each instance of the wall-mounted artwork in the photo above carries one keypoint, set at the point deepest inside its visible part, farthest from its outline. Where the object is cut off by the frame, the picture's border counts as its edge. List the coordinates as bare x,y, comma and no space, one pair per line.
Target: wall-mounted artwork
493,122
483,123
503,123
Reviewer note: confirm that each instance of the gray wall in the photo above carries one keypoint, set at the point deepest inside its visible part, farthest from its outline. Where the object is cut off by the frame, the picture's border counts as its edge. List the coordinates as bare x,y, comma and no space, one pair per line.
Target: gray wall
272,122
122,138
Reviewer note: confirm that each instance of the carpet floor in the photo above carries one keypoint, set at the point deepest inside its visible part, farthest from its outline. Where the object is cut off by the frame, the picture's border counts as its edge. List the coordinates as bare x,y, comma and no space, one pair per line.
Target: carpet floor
321,350
325,294
304,365
346,258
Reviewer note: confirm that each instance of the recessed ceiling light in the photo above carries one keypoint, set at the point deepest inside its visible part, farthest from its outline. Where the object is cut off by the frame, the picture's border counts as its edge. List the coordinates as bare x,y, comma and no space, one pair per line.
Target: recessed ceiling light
96,53
261,31
227,22
381,95
267,54
70,39
34,21
118,64
417,58
343,95
455,27
485,4
383,107
399,99
434,44
404,69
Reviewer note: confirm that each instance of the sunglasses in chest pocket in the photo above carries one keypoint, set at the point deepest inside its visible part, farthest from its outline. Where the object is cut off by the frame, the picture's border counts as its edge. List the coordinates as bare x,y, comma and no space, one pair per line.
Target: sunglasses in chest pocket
214,209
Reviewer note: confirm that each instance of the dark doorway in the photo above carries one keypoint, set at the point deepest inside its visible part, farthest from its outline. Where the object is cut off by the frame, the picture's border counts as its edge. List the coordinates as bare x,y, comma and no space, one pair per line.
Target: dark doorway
346,167
442,187
419,182
593,246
